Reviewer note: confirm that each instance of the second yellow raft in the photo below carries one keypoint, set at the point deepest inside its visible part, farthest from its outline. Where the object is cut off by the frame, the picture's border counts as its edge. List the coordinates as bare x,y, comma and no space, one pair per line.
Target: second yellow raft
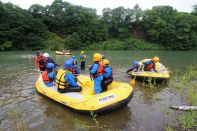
162,74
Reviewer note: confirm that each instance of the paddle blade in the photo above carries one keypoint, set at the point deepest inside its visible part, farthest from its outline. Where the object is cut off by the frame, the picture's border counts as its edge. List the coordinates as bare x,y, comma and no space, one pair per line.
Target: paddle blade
132,82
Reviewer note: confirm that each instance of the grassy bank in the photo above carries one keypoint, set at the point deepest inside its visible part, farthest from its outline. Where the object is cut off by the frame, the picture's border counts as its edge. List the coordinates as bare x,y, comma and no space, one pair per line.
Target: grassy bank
54,42
186,86
126,44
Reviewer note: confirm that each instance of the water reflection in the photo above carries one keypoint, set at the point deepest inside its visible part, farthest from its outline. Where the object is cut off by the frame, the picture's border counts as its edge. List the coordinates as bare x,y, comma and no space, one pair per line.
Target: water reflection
68,119
148,93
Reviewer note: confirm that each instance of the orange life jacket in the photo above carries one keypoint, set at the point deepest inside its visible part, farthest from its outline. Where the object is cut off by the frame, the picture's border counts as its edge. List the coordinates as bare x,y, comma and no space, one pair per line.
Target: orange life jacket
99,71
73,70
45,77
150,67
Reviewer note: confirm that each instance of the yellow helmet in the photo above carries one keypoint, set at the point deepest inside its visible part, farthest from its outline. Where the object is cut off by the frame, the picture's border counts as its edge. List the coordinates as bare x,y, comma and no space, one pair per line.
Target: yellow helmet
156,59
97,57
105,62
82,52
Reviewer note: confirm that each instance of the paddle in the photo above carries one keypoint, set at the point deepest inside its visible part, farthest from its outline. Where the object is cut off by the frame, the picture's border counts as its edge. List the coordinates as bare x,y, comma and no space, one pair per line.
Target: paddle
132,82
80,82
78,79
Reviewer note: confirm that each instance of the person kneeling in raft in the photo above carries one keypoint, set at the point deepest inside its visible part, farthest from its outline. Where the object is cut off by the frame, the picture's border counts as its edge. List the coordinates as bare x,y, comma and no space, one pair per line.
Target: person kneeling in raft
65,81
49,75
150,65
107,75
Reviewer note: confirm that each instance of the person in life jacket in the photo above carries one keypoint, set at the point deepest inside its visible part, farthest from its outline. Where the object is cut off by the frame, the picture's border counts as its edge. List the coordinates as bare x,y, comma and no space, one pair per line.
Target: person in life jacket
107,75
150,65
49,75
103,56
65,80
96,72
83,59
74,69
137,66
50,60
73,58
40,61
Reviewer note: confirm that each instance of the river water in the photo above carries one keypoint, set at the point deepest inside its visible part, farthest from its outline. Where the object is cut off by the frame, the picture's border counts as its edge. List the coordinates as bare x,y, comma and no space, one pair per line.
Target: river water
143,113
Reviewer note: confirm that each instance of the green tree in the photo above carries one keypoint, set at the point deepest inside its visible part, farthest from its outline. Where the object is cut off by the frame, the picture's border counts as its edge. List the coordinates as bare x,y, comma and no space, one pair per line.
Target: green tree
194,11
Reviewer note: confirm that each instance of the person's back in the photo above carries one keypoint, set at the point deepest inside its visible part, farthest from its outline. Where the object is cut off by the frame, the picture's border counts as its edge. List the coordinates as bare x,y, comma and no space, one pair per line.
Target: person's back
107,72
48,75
50,60
149,64
66,81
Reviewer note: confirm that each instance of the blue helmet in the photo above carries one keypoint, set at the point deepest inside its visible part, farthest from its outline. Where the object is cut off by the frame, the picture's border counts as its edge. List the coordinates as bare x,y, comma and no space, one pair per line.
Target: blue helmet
50,65
68,64
73,57
103,56
135,63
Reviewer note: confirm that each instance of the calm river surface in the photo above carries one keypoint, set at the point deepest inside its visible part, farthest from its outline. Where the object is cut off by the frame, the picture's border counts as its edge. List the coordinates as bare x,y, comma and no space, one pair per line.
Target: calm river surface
143,113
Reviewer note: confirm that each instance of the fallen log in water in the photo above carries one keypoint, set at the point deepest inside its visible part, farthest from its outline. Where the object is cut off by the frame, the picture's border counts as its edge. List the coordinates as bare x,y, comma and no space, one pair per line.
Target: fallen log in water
184,108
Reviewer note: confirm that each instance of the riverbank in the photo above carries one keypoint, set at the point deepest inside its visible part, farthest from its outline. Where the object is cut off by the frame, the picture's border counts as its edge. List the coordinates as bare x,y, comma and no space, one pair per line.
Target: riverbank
124,44
186,86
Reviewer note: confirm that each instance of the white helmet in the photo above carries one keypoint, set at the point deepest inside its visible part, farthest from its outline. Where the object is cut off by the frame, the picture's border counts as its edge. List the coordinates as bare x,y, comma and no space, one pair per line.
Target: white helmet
46,55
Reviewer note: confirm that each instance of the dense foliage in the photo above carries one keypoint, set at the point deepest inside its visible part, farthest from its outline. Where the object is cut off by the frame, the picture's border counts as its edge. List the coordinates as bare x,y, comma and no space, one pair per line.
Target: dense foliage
63,25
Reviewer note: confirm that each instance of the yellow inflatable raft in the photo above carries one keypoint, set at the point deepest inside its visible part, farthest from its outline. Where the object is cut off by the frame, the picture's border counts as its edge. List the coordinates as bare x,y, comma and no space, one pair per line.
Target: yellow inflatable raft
162,74
62,53
118,95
